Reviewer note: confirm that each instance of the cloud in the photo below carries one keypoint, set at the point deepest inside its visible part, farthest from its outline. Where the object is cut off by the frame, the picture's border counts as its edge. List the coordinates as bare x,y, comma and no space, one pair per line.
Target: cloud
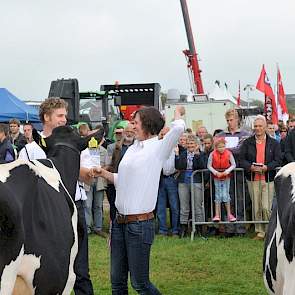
133,41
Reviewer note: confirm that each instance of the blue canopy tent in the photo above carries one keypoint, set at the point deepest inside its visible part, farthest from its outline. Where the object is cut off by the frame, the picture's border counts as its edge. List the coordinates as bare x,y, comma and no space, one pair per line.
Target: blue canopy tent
13,107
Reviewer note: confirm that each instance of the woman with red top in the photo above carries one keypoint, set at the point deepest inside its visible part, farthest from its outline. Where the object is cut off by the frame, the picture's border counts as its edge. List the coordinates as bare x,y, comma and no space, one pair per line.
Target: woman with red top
221,162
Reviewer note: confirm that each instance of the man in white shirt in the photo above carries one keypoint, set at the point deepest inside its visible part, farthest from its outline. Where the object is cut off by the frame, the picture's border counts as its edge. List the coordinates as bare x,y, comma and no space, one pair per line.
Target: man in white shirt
53,112
137,183
31,151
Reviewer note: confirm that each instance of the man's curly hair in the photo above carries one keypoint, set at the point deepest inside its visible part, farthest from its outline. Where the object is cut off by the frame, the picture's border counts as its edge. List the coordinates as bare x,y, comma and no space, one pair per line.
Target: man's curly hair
49,105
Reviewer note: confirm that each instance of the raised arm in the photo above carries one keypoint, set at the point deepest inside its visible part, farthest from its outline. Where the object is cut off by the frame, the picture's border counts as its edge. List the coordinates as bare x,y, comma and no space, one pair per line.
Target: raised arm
171,138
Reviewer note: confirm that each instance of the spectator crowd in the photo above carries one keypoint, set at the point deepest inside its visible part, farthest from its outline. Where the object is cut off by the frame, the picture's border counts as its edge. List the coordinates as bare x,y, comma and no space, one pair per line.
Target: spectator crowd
227,176
214,180
218,191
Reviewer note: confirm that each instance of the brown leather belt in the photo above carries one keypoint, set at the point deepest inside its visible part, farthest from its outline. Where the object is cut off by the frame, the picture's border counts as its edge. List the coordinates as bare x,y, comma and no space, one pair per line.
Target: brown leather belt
133,217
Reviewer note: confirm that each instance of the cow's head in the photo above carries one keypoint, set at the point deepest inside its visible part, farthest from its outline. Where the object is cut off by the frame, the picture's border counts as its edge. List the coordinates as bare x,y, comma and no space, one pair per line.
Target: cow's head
69,137
285,194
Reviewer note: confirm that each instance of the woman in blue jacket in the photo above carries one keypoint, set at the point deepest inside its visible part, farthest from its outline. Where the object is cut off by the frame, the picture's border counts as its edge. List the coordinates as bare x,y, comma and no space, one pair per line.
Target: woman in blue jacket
186,162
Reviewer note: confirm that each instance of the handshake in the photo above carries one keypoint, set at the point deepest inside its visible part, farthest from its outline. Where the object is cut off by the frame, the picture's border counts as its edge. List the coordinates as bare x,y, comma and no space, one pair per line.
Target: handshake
96,171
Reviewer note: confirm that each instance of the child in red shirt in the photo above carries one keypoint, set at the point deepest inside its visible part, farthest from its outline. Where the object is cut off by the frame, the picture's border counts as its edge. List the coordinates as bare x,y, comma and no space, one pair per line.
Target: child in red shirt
221,162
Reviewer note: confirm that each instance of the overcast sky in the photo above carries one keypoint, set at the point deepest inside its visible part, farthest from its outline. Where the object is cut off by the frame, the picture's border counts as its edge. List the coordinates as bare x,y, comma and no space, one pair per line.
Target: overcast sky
136,41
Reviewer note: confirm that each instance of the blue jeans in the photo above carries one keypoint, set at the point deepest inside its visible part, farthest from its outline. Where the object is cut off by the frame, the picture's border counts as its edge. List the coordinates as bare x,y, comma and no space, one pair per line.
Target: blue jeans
94,209
130,251
222,190
168,189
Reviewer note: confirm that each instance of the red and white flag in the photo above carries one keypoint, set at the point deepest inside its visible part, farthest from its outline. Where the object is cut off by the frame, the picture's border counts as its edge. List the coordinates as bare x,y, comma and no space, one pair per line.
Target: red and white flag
282,106
239,95
270,107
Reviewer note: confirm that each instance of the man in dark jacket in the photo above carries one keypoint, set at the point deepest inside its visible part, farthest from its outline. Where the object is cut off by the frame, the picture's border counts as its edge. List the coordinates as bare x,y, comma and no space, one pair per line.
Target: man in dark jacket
17,139
260,155
6,149
290,146
283,135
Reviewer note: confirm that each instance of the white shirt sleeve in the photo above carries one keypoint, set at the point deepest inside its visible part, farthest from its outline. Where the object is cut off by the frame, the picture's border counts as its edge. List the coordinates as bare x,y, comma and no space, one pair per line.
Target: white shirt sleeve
232,163
169,165
23,154
115,179
34,151
171,138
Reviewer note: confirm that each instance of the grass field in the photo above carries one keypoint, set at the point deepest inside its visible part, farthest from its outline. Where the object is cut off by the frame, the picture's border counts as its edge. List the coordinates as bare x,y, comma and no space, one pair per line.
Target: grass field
180,267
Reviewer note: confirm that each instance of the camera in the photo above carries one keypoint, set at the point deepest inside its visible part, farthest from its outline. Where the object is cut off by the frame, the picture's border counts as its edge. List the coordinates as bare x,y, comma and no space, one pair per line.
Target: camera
258,164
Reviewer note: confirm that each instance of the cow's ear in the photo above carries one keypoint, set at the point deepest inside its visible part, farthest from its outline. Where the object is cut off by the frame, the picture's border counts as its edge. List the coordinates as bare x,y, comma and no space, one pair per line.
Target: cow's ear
85,141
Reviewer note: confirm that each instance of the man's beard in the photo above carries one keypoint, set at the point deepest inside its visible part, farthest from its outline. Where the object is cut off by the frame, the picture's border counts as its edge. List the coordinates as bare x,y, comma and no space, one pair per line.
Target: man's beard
128,139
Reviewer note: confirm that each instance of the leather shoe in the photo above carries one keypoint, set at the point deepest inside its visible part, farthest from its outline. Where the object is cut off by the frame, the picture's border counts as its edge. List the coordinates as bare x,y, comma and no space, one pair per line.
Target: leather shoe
258,238
101,234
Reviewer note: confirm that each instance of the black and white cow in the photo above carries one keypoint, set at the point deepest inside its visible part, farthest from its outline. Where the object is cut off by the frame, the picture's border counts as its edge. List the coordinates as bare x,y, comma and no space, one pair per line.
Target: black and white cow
38,219
279,251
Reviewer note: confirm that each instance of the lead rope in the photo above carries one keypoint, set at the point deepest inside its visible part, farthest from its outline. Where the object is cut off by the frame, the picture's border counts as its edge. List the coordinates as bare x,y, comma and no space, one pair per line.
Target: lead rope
61,180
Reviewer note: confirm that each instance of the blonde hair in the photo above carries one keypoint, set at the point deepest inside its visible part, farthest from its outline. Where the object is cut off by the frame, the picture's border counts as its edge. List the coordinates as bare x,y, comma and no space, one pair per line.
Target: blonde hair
231,113
218,141
49,105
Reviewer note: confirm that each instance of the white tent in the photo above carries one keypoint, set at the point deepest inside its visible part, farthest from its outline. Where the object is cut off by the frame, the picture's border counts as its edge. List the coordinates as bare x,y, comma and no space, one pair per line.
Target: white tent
221,93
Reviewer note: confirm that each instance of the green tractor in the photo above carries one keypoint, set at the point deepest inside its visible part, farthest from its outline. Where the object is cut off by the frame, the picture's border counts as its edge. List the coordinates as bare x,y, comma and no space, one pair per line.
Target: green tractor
101,108
111,107
91,107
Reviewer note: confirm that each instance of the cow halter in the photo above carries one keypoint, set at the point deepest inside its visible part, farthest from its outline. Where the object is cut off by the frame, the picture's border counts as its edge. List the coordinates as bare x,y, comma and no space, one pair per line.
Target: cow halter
68,145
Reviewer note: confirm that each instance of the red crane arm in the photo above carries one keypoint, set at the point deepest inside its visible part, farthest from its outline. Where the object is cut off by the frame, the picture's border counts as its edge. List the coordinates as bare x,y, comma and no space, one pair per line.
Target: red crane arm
191,53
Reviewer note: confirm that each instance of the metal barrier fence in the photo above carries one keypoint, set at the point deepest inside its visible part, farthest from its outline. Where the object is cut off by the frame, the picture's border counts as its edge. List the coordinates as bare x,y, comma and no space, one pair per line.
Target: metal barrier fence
239,199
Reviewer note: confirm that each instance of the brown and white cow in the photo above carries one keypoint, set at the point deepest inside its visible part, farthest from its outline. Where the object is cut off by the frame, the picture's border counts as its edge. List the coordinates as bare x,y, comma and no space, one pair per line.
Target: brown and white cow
38,219
279,251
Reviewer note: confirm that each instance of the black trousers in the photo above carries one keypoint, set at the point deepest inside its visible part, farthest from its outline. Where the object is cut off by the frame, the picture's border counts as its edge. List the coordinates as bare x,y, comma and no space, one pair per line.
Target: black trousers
237,191
83,285
111,194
